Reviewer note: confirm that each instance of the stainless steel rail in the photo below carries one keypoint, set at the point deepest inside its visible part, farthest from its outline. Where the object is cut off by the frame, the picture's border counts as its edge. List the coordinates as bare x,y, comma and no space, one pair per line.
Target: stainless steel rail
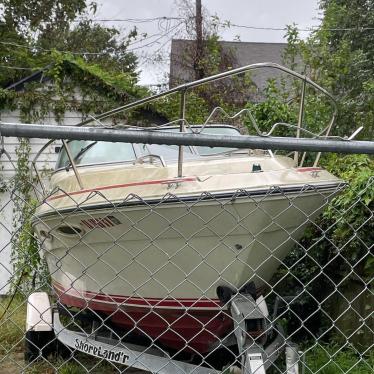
185,87
213,78
183,90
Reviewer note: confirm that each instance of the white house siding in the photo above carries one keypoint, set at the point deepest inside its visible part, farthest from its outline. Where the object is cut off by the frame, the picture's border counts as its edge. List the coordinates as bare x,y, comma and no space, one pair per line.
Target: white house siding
46,161
6,209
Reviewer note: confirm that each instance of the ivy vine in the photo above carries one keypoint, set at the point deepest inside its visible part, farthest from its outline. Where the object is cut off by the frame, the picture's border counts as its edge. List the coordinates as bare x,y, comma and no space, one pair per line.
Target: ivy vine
98,91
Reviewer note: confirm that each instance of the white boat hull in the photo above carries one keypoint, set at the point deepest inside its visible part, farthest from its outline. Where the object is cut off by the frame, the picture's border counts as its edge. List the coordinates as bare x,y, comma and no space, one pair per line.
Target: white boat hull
153,261
177,250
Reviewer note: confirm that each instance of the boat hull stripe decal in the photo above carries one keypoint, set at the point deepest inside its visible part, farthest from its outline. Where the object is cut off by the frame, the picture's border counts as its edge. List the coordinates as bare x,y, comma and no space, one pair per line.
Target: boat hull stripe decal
138,301
102,188
304,170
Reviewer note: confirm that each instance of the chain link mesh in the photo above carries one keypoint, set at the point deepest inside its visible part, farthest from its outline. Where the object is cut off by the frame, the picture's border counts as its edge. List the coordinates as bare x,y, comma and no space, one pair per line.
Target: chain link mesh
187,283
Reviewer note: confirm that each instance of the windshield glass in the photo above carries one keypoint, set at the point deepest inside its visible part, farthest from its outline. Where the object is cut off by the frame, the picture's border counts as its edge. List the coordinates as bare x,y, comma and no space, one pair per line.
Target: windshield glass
168,152
97,153
88,152
204,151
171,151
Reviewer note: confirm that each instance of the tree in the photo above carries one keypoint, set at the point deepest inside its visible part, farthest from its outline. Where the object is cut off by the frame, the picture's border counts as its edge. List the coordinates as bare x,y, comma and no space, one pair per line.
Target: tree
204,55
30,30
111,50
21,25
340,56
335,258
37,16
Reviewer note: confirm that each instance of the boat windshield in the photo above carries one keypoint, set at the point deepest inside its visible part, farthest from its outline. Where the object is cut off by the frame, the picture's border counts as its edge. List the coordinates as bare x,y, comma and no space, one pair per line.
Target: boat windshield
228,131
201,151
99,152
86,152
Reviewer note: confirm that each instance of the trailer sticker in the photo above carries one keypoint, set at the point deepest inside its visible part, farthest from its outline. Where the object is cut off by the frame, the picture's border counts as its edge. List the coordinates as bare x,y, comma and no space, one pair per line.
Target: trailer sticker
99,351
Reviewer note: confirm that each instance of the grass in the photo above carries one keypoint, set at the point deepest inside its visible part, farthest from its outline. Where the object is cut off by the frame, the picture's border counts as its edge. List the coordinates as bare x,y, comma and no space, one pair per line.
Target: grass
81,364
12,330
329,359
12,325
334,360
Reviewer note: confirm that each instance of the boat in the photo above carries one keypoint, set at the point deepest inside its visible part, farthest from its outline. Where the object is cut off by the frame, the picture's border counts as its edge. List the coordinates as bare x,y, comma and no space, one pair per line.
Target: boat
153,251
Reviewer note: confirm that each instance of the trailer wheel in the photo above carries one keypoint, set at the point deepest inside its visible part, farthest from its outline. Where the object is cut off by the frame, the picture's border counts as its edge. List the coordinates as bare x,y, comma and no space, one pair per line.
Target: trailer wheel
39,344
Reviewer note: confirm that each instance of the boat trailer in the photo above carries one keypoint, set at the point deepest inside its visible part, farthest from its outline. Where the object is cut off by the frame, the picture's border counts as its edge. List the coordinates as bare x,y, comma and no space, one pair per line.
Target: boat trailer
43,327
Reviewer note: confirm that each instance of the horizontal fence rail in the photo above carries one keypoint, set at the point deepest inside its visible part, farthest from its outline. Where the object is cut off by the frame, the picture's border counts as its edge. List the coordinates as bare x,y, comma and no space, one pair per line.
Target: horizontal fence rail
157,137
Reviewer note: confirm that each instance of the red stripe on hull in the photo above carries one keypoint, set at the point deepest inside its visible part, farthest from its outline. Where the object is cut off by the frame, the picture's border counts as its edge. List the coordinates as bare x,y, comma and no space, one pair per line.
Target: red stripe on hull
102,188
195,330
306,169
201,303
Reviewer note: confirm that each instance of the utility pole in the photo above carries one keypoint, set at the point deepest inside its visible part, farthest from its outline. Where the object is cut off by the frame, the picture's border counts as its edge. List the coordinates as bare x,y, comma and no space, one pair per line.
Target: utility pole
199,71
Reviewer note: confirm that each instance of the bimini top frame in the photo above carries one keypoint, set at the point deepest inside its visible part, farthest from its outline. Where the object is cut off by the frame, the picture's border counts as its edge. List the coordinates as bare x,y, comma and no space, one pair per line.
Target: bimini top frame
183,90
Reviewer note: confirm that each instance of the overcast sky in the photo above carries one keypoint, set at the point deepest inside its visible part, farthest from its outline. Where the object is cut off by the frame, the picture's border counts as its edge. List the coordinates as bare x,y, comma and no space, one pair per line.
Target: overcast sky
253,13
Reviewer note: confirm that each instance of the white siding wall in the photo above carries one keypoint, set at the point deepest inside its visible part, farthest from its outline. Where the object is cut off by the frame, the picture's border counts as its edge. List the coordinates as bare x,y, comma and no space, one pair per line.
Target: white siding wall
48,158
46,161
6,209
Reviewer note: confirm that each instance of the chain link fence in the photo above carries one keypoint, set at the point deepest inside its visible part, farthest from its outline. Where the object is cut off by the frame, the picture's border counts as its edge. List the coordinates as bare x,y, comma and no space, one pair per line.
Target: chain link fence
151,273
